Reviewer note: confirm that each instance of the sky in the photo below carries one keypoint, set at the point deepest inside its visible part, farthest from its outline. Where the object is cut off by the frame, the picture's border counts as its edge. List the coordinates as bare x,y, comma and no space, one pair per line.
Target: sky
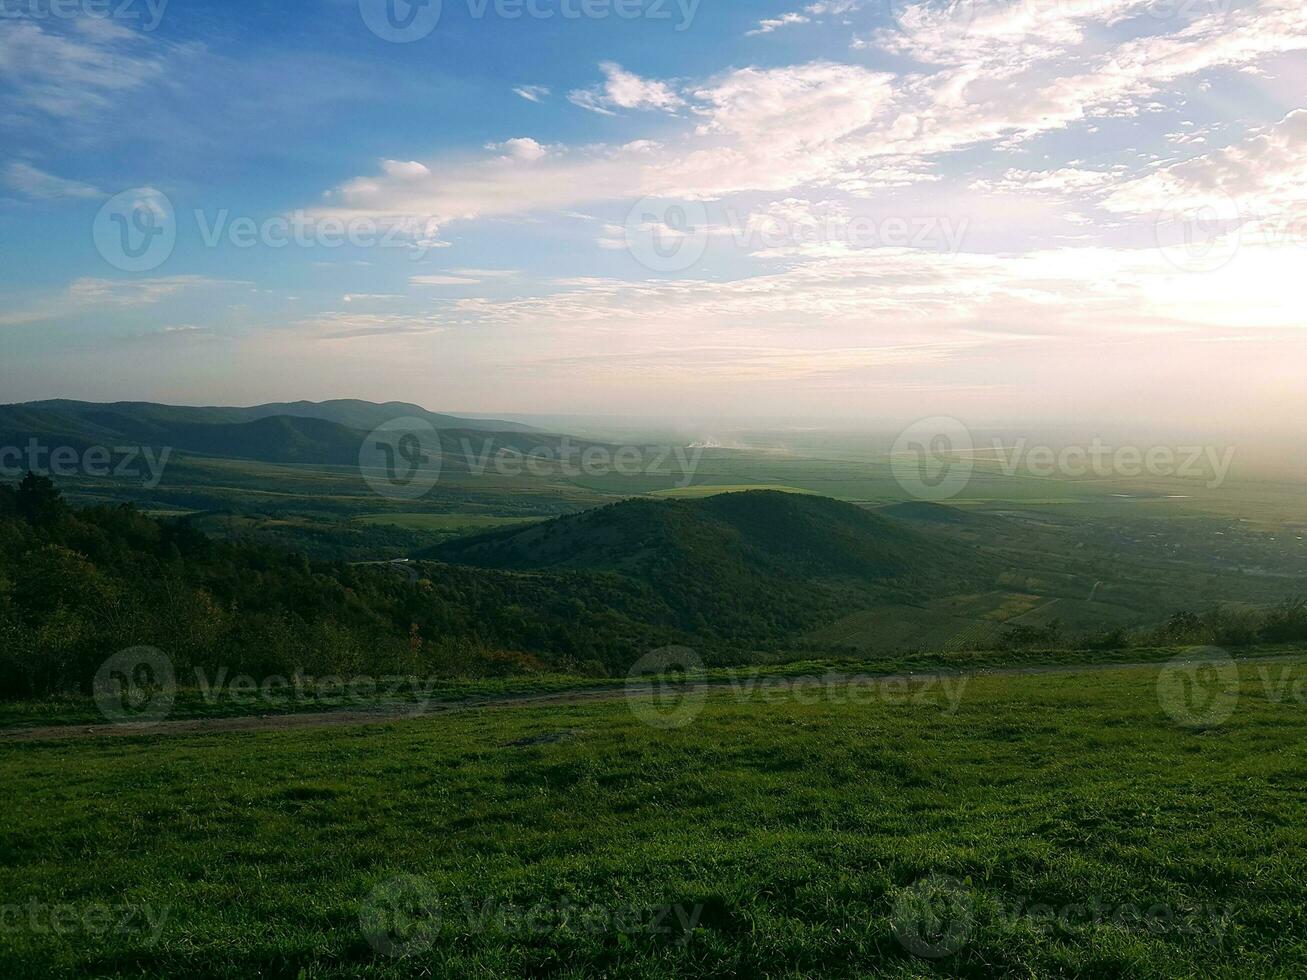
1028,209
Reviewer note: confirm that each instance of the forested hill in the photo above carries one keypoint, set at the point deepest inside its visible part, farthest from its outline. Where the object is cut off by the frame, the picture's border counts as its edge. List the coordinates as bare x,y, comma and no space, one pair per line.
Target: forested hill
724,574
759,533
735,576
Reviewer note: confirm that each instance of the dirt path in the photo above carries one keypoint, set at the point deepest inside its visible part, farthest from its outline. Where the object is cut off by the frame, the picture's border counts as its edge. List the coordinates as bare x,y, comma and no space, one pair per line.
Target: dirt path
391,714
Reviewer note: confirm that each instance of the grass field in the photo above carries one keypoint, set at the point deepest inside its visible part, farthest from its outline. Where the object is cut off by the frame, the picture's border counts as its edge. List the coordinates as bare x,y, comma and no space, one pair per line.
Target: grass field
445,522
1054,825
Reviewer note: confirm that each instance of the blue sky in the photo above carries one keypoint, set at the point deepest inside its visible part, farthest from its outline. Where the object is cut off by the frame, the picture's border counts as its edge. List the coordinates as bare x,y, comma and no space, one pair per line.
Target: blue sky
1051,208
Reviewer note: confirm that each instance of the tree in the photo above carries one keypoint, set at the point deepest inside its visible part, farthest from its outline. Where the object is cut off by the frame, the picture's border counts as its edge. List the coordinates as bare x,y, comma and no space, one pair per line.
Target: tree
38,500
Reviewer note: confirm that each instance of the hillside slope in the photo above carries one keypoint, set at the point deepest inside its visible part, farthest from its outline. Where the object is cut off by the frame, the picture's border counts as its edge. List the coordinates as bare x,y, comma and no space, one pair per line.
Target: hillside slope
741,564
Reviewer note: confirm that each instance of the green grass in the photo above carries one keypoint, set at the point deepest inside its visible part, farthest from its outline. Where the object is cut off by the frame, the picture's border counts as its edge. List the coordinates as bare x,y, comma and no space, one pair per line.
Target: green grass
793,826
218,696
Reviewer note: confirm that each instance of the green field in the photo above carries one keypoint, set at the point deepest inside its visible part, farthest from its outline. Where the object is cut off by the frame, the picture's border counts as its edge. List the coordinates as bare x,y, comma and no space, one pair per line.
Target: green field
445,522
1058,825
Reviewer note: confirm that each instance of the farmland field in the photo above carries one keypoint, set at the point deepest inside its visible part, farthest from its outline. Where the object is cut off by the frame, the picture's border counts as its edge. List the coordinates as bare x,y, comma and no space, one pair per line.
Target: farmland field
444,522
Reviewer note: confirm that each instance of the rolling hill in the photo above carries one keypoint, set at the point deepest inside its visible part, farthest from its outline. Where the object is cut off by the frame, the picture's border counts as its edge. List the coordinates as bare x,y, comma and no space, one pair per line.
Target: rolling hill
740,564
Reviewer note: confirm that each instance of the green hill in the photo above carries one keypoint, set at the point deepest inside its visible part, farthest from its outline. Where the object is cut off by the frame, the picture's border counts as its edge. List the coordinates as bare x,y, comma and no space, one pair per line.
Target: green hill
750,565
765,531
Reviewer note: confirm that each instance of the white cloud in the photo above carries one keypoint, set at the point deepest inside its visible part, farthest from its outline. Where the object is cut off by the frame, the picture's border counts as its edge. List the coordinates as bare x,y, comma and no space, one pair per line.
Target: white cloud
94,294
74,72
437,280
624,90
519,148
404,169
771,24
532,93
1264,175
1068,180
36,183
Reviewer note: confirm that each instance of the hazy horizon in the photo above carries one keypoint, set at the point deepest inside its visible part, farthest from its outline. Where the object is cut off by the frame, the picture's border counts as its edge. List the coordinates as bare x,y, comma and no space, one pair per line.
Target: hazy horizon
1087,209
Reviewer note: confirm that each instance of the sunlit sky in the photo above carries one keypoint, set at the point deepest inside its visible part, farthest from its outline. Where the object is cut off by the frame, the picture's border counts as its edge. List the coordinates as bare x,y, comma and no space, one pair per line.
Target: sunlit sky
1053,209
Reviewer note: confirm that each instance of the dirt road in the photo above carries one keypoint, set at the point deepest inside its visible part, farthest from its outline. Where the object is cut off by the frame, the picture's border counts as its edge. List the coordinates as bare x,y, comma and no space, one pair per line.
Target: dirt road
397,713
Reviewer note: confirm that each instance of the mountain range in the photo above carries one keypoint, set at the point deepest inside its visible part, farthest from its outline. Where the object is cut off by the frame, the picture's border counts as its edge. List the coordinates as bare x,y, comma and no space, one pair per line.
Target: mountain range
329,432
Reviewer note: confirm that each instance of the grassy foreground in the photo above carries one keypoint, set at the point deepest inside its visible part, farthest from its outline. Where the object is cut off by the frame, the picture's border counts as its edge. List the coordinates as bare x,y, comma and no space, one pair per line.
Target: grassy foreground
1057,825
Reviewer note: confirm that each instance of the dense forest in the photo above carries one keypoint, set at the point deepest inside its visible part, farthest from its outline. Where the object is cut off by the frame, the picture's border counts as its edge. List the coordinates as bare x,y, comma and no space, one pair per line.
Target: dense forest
588,594
78,585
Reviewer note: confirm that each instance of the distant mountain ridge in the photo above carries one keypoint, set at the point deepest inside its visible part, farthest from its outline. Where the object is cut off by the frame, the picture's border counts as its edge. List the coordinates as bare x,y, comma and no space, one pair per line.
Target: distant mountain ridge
325,433
352,413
